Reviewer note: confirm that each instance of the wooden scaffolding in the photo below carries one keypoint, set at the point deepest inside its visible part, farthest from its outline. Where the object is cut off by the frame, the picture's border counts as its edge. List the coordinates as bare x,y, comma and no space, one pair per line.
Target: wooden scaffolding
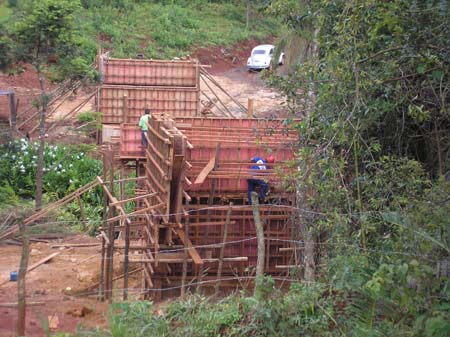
188,221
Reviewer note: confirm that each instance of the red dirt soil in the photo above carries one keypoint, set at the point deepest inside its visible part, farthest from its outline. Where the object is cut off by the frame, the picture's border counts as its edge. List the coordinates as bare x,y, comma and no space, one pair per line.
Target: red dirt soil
224,59
49,283
26,88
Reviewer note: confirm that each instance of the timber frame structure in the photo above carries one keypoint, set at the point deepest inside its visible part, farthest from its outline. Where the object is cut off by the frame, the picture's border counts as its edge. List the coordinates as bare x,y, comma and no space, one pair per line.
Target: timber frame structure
177,211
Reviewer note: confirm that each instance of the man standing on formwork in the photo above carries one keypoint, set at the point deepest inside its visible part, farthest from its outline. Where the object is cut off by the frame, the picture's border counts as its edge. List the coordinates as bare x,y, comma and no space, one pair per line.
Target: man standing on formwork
260,164
144,128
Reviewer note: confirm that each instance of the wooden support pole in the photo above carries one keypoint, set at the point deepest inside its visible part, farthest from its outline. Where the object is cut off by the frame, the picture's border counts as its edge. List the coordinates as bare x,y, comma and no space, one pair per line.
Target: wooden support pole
127,237
125,108
261,244
21,291
82,213
13,116
222,249
250,107
101,285
185,255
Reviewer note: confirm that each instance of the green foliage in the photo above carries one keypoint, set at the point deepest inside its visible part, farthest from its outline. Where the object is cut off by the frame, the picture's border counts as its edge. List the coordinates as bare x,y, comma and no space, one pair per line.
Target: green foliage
373,155
66,168
8,196
162,30
86,117
43,30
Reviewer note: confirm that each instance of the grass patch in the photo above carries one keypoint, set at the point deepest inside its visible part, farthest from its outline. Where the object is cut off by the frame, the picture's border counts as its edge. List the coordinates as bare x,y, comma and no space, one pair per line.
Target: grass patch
162,31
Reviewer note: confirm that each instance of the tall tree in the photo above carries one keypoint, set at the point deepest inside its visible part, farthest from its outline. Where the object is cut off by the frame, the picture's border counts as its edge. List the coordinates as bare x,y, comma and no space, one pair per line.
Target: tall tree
44,30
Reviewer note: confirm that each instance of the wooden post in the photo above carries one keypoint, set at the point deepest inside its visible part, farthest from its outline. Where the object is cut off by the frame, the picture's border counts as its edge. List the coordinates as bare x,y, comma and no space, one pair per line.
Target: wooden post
13,118
101,284
185,255
21,291
222,248
212,192
82,212
125,108
261,244
250,107
125,222
111,233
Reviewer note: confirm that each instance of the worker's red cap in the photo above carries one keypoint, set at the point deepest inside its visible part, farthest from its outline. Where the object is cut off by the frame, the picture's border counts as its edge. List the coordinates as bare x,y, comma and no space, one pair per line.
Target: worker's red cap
270,159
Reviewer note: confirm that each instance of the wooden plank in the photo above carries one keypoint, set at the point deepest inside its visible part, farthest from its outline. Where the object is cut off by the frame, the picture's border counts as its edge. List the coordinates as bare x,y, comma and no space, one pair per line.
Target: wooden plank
76,245
126,216
120,202
206,170
42,261
207,260
15,304
191,250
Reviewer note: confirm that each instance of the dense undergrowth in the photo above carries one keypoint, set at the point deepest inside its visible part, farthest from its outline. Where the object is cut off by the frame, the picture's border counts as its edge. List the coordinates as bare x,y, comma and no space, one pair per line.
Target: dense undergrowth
66,168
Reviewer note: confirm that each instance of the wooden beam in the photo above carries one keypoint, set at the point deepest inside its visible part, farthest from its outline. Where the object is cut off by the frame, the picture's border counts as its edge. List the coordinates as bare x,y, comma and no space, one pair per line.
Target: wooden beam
15,304
205,171
42,261
191,250
141,211
120,202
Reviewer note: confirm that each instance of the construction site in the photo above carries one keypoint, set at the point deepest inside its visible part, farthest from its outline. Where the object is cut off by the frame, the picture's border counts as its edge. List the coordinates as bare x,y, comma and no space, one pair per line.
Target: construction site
176,214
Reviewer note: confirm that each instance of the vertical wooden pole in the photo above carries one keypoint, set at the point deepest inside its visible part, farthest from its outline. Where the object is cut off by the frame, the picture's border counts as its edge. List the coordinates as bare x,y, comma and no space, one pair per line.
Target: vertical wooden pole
222,248
101,284
250,107
125,108
82,212
111,233
21,291
185,256
13,114
126,222
261,244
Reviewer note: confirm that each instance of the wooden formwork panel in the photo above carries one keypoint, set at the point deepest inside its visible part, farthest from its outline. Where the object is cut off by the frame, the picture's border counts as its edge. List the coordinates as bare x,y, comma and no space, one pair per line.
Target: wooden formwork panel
240,140
130,141
122,104
241,238
150,72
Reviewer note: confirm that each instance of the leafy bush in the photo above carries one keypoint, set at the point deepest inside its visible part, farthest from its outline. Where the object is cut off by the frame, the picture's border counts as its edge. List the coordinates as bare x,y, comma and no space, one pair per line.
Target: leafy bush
8,196
66,168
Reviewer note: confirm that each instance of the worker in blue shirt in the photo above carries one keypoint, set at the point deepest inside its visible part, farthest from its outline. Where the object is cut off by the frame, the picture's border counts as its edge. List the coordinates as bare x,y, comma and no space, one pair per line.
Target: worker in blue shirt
259,164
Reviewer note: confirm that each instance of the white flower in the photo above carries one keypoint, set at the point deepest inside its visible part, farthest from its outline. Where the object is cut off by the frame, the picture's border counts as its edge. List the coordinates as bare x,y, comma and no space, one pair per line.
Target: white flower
63,170
13,156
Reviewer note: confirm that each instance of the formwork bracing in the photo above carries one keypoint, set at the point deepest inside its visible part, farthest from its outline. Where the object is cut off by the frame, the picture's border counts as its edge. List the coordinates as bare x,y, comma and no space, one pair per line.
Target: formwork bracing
177,213
190,187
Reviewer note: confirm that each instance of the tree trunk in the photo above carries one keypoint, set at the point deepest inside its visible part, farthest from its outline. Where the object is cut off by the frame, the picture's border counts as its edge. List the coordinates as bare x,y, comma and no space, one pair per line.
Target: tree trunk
306,219
40,159
21,291
247,17
261,243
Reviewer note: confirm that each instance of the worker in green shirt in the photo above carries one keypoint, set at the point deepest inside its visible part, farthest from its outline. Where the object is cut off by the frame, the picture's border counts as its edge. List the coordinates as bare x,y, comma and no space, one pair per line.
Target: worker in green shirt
144,128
